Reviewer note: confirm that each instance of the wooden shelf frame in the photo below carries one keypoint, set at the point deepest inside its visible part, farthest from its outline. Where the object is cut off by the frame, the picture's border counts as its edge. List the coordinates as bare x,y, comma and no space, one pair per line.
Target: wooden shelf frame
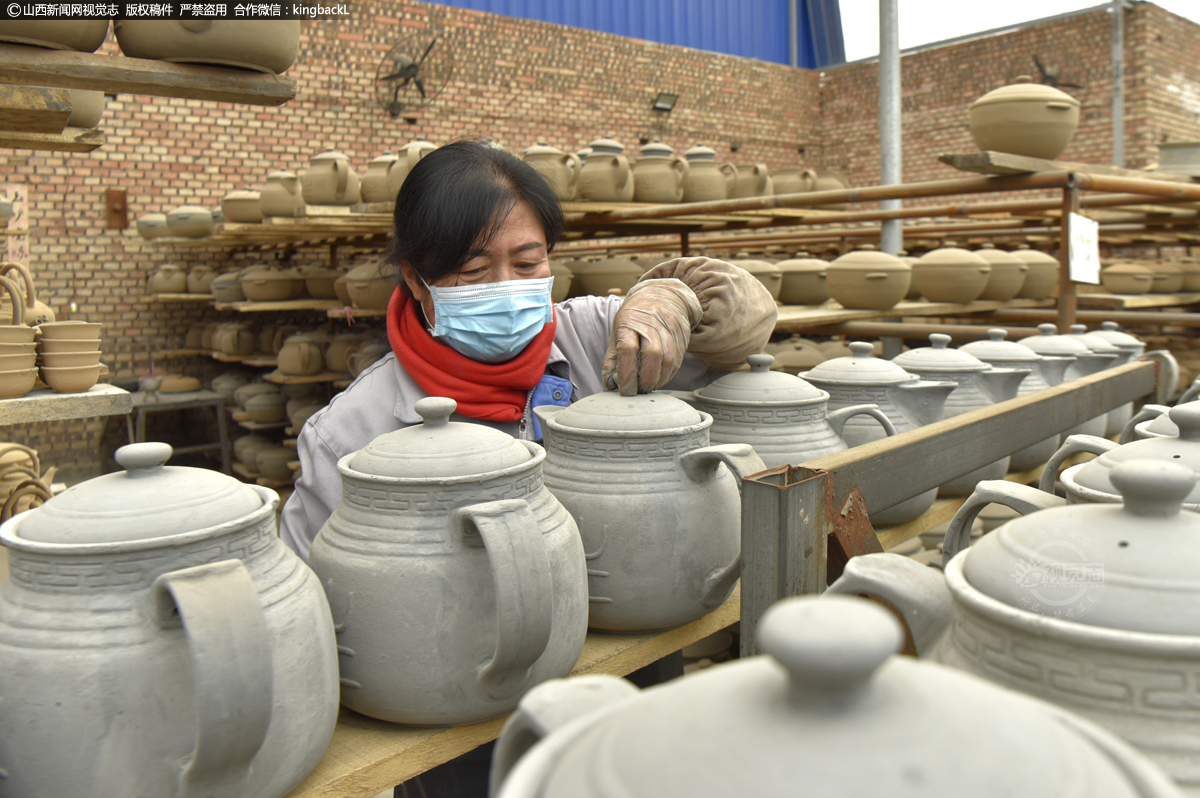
102,399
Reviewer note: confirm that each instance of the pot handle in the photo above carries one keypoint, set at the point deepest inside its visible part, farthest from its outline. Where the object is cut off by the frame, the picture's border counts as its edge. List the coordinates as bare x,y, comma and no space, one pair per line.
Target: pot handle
222,618
304,358
1058,105
681,170
343,177
1025,499
1074,444
1166,386
1144,413
731,174
5,448
809,176
574,165
26,278
18,308
509,532
838,418
876,276
1191,394
700,465
622,163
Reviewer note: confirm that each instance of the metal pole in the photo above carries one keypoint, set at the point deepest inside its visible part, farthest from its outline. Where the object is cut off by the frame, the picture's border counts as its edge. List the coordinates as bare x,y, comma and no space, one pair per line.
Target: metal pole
793,33
890,146
1118,72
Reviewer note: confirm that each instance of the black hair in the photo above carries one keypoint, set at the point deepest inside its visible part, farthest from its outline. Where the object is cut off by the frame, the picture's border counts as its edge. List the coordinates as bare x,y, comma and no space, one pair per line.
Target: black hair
456,199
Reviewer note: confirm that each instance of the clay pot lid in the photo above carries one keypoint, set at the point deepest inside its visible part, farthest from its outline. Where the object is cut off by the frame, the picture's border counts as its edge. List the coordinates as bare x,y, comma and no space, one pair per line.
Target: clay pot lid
655,149
791,265
870,259
438,447
1028,254
420,145
148,500
330,155
606,146
1181,449
1023,89
371,270
952,256
1111,331
829,680
760,385
991,255
542,148
611,412
1124,566
1164,426
188,210
700,153
998,350
1049,342
266,273
387,157
860,367
1095,343
244,194
939,357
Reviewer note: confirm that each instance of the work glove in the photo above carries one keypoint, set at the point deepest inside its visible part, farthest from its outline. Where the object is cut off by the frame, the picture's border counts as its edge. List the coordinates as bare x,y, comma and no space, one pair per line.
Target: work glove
649,336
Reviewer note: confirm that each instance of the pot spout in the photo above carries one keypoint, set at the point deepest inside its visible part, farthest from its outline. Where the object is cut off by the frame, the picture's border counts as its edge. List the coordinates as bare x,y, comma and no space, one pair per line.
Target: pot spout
916,591
1052,369
922,400
1001,384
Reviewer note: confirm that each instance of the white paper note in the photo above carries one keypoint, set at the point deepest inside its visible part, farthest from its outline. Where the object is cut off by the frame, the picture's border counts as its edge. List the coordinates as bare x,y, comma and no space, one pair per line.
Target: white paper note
1084,250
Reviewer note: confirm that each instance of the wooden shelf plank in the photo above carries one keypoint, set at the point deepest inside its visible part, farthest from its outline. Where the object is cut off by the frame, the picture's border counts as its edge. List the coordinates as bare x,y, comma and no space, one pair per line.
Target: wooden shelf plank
1003,163
34,109
181,297
162,354
1135,301
289,379
341,311
122,75
794,318
101,399
71,139
368,755
285,305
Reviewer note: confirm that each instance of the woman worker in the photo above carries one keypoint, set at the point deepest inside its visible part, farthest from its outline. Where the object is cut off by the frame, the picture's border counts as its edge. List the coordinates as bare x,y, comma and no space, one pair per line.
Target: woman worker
472,319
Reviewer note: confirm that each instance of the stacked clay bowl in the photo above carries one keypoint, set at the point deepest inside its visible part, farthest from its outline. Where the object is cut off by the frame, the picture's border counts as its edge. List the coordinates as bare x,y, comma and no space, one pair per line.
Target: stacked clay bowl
70,355
18,361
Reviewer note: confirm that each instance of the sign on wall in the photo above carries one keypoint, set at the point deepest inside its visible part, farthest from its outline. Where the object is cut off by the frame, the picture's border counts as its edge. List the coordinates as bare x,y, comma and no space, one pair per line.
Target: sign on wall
1084,250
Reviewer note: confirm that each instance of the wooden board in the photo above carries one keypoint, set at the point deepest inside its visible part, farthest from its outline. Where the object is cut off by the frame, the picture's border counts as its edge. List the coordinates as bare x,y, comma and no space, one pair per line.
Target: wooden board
1135,301
367,756
34,109
794,318
290,379
71,139
122,75
284,305
1003,163
357,313
101,399
181,297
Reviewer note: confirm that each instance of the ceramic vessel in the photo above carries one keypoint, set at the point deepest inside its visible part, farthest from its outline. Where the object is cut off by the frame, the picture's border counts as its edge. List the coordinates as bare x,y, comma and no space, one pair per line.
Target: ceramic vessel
236,340
34,313
642,482
281,195
1168,277
378,183
178,383
1116,418
606,175
794,355
602,276
227,288
272,462
190,221
1191,274
1127,278
805,281
169,278
457,580
868,279
319,282
1007,277
764,271
560,169
84,36
216,638
414,151
949,274
225,384
371,285
563,277
243,207
152,225
300,356
1053,629
260,45
828,683
658,174
832,181
330,180
979,385
267,408
793,180
73,330
268,285
86,108
706,179
199,279
1025,118
1042,277
751,180
336,356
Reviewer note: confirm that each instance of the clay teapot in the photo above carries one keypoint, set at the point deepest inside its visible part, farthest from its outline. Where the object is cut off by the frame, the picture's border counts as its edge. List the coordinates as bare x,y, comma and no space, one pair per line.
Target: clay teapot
382,180
199,279
281,195
429,514
1079,604
1025,118
1116,418
829,682
338,353
242,206
169,278
35,312
793,180
1086,361
330,180
412,152
178,597
658,174
640,478
300,356
560,169
706,179
751,180
606,175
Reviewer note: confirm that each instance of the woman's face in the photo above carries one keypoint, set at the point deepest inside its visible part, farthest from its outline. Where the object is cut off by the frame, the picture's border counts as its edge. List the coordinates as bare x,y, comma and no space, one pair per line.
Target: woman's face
517,252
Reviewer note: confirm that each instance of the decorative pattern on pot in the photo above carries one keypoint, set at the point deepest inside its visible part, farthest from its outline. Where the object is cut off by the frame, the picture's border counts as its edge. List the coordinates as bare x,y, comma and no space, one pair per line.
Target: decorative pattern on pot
606,175
457,580
828,680
560,169
868,279
639,477
1025,118
261,45
950,274
330,180
1007,277
751,180
658,174
805,281
706,179
166,589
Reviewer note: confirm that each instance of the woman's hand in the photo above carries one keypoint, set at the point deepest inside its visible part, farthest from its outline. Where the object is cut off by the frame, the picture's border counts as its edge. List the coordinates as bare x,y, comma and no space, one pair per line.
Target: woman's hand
649,336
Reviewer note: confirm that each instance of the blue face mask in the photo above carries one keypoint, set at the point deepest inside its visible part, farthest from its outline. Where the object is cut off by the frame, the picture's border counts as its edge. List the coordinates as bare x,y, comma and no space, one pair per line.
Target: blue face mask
491,322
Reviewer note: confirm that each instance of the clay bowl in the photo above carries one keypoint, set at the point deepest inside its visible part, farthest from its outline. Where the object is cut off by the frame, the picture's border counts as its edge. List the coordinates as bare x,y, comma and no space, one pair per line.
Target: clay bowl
16,334
71,379
17,383
70,359
178,383
17,362
1168,278
76,330
60,345
18,349
267,408
1127,278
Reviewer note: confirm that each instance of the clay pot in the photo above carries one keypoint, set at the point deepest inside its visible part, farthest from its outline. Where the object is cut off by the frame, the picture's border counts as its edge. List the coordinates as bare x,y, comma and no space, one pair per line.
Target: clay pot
260,45
246,448
606,175
199,279
268,285
658,174
1007,277
300,356
71,379
179,383
273,462
302,414
560,169
152,225
562,280
217,612
371,285
190,221
1025,118
339,350
83,36
949,274
467,508
225,384
267,408
34,312
751,180
411,153
663,482
242,207
169,278
1042,277
17,383
318,282
281,195
236,340
86,108
1127,278
868,279
227,288
1168,277
365,354
73,330
706,179
794,355
67,345
343,293
832,181
602,276
59,359
1191,274
763,271
378,183
793,180
805,281
330,180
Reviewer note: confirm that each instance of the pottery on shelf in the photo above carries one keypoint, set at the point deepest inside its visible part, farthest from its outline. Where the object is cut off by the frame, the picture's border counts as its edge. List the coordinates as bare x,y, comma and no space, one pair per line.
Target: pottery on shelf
563,277
1042,277
805,281
199,279
153,225
1007,277
330,180
1168,277
639,477
260,45
267,408
381,182
1025,118
281,195
300,356
457,580
832,181
1127,278
950,274
560,169
371,285
764,271
602,276
87,107
606,175
227,288
706,179
268,285
319,281
751,180
35,312
190,221
658,174
215,637
868,279
793,180
169,278
81,35
242,207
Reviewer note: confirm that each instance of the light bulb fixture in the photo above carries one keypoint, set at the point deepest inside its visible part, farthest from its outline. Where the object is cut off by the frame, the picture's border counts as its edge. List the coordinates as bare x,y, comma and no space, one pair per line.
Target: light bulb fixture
665,102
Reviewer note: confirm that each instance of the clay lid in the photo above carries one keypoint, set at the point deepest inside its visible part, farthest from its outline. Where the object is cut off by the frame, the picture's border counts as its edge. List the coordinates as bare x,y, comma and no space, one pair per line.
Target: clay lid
438,447
267,273
189,210
1111,331
991,255
1049,342
147,500
870,259
939,357
701,153
860,367
330,155
611,412
1023,89
542,148
607,146
1095,343
1124,566
952,256
655,149
387,157
997,350
419,144
815,265
760,385
243,194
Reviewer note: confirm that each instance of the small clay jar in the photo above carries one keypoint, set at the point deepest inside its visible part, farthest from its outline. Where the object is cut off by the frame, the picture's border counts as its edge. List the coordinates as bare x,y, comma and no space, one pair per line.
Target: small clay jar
805,281
1042,277
658,174
267,408
706,179
318,282
950,274
190,221
170,278
1127,278
86,108
868,279
1007,277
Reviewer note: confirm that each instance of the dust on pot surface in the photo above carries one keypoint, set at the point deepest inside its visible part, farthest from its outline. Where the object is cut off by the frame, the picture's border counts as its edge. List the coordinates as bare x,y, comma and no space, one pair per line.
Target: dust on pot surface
1025,118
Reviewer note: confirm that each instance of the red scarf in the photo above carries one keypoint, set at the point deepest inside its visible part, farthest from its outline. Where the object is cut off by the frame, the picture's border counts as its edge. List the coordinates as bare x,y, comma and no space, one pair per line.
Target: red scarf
488,391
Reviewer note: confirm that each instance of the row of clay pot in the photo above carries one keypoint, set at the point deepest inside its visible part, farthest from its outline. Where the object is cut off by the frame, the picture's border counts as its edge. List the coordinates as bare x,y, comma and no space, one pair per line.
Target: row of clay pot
186,221
367,285
1152,277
